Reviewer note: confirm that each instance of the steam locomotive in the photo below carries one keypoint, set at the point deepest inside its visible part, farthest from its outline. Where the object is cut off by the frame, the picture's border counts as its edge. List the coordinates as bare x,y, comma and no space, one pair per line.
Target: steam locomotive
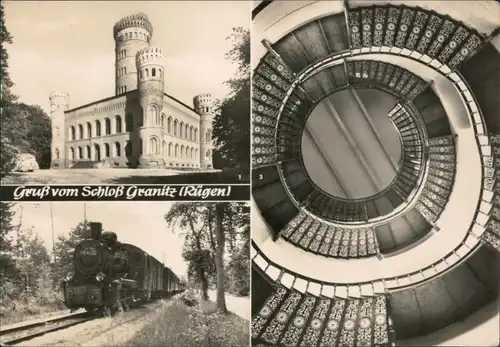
109,276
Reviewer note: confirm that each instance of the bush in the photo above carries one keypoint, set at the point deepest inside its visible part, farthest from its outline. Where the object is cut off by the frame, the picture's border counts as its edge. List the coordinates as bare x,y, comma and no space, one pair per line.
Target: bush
201,325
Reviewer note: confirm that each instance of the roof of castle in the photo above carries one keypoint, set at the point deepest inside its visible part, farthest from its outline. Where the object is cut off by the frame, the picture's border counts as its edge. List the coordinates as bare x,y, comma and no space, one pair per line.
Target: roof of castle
118,96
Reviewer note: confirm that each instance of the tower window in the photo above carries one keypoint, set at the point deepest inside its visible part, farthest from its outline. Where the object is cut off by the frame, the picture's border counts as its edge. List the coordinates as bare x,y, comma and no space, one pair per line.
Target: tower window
153,72
208,136
124,70
140,74
57,154
153,145
147,73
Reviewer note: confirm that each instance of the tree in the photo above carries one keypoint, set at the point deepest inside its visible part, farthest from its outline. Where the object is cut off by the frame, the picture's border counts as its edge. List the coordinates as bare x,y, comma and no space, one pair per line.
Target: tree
219,256
65,246
39,134
23,128
231,128
190,218
33,256
6,227
7,96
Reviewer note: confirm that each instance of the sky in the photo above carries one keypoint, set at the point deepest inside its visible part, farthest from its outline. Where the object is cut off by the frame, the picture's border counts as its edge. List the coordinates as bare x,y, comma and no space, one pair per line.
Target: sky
138,223
68,46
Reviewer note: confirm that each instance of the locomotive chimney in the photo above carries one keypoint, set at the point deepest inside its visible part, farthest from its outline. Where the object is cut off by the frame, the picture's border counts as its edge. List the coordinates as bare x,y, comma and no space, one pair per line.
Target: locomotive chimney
95,230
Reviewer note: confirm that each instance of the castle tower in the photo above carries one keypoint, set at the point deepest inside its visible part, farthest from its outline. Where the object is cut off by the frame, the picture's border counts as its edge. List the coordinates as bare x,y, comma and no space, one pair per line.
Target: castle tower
131,34
204,106
150,64
59,102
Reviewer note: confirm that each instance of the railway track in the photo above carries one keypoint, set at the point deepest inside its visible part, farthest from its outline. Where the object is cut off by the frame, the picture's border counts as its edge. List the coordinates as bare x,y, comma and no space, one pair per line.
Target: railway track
15,335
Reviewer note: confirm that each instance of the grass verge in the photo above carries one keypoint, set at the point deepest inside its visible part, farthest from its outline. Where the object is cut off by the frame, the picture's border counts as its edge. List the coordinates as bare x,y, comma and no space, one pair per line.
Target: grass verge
176,324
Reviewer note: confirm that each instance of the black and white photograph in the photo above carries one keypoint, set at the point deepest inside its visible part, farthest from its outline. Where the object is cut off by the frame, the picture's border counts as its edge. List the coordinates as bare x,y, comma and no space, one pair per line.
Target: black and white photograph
375,201
125,274
125,92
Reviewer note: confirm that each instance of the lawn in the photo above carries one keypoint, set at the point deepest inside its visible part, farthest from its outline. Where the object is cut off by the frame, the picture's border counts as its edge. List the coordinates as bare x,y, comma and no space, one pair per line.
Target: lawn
124,176
179,325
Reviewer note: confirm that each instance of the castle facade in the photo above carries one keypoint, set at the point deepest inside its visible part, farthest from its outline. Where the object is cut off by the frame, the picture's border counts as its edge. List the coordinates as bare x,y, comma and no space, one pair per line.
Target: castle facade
141,126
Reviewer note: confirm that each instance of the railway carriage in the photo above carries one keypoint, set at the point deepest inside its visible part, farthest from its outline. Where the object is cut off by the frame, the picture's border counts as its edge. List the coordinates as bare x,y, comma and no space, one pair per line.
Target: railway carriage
110,276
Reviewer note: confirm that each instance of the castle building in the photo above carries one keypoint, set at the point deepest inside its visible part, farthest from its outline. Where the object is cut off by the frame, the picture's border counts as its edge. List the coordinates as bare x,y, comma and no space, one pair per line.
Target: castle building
141,126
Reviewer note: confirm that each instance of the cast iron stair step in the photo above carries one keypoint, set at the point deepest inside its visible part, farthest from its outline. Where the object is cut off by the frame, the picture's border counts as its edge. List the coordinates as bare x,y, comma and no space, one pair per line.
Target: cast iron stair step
492,233
291,318
427,32
316,236
440,178
313,41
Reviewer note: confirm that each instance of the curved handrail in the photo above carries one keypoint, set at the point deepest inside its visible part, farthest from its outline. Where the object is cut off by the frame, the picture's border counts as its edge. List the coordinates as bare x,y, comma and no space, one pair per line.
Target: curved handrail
471,240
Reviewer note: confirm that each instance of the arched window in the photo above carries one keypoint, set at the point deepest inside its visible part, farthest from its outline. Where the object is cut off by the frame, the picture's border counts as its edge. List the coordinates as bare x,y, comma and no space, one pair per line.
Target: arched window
170,149
191,133
88,154
107,125
97,128
196,153
182,151
196,134
188,152
97,152
147,73
57,154
89,130
163,121
117,149
140,74
72,153
80,131
186,131
153,72
107,152
207,154
80,153
175,127
153,115
118,124
129,123
181,129
164,149
128,149
208,136
153,145
192,152
169,125
72,133
176,152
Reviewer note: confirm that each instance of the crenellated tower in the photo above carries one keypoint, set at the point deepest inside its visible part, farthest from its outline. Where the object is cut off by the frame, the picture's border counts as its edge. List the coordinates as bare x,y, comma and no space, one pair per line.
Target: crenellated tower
131,34
204,106
150,64
59,102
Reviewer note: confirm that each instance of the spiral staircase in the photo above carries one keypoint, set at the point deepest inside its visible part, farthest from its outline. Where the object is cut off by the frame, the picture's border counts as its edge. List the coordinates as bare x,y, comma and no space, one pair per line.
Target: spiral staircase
376,133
